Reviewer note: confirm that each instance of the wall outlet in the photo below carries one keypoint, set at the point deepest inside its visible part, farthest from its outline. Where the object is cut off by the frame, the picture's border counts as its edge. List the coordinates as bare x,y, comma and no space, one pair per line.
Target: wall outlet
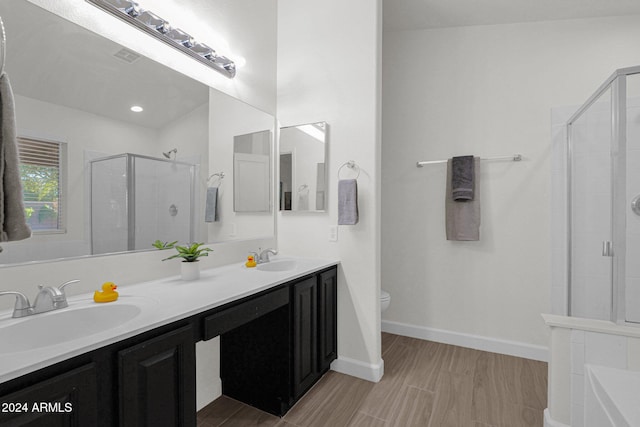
333,233
232,229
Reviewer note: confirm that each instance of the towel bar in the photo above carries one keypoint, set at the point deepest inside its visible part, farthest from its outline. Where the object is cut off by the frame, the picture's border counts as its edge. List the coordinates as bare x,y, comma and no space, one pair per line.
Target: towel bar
514,158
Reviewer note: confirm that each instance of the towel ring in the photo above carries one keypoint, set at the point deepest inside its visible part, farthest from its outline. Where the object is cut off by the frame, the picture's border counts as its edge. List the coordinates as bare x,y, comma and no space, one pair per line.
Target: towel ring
220,176
351,165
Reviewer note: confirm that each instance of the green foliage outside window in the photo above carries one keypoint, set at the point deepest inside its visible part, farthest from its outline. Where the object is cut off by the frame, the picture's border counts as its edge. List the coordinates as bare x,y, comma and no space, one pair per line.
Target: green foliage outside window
40,187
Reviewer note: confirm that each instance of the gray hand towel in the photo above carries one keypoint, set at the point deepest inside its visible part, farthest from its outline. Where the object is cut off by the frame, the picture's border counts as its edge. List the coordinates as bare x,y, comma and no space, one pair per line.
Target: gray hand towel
13,225
463,219
211,208
347,202
462,178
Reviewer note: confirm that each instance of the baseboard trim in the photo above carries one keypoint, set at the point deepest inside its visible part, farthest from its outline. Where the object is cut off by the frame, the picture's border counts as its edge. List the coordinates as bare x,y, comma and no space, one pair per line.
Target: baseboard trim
358,369
550,422
208,393
493,345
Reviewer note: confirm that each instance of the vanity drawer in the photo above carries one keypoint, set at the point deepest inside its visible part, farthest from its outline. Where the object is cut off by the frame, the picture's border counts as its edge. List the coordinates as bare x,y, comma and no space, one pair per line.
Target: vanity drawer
229,319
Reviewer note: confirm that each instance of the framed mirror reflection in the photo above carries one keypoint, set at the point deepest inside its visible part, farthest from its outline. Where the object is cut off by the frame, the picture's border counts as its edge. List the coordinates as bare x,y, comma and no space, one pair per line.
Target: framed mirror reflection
303,169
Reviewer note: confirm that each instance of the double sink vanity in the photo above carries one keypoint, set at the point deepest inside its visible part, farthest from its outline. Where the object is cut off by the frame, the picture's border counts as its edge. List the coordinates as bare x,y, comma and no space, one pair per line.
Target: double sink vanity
132,362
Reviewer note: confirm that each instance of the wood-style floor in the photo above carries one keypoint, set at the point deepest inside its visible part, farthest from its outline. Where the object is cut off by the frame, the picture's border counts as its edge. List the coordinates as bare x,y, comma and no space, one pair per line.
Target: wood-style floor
425,384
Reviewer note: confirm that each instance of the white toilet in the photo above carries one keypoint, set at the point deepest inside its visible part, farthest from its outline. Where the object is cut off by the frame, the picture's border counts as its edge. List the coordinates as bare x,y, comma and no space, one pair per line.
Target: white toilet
385,300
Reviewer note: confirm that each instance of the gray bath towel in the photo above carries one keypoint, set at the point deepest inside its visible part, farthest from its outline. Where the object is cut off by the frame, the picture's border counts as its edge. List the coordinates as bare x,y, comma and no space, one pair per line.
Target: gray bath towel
211,208
13,225
463,218
347,202
462,178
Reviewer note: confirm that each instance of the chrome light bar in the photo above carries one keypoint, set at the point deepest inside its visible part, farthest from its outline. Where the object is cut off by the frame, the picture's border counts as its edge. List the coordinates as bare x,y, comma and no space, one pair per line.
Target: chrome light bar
131,12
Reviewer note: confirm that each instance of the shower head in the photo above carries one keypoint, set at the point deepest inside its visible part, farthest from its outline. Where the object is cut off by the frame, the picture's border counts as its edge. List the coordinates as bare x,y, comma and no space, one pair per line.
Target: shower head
168,153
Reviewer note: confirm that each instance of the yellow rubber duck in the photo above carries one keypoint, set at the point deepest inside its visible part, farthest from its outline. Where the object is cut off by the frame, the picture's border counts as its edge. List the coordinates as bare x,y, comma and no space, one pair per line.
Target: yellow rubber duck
251,262
107,294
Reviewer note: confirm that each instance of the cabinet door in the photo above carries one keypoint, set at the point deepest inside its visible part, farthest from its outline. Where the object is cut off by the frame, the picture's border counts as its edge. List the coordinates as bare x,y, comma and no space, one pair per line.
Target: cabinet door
305,348
327,319
157,381
67,400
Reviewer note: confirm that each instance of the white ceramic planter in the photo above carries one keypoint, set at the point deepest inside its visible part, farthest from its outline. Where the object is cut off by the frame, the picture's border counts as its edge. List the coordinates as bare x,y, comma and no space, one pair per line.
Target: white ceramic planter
190,270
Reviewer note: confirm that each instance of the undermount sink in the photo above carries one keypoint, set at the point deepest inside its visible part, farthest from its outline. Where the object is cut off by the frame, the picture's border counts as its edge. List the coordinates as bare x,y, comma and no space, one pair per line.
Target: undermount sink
279,265
56,327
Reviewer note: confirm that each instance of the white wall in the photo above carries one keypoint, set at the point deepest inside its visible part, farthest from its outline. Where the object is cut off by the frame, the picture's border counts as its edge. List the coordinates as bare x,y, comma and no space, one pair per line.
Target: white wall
328,70
485,90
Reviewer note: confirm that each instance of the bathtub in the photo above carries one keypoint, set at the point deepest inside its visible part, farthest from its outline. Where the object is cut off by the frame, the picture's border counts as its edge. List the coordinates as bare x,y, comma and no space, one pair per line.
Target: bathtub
612,397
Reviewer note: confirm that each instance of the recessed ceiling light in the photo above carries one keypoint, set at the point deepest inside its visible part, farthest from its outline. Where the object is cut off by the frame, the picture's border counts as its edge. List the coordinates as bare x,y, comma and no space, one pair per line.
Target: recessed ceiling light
137,109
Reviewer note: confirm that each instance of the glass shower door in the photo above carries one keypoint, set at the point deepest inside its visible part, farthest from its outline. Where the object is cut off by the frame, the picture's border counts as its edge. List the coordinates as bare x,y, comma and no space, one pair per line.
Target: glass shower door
590,245
109,220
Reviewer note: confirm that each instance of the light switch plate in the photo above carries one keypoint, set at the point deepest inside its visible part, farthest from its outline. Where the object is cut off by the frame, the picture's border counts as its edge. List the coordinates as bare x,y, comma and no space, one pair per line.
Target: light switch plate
333,233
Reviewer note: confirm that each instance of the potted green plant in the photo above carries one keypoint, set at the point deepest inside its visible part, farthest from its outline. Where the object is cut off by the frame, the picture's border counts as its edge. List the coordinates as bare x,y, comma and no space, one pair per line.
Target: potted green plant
190,254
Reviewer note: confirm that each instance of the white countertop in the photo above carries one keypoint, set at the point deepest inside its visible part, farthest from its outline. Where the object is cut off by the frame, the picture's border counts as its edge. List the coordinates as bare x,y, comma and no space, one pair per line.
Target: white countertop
161,301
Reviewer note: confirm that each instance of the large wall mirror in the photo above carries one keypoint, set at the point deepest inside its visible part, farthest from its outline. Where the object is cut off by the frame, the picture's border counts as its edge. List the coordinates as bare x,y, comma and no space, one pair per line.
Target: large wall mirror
303,180
123,178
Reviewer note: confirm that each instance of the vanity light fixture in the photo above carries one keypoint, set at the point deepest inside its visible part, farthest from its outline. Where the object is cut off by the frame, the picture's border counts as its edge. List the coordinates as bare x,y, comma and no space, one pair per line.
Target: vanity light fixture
137,109
131,12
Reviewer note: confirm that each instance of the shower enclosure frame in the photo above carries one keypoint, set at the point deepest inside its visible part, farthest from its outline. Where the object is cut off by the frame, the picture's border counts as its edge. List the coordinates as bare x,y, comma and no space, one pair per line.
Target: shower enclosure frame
130,193
617,83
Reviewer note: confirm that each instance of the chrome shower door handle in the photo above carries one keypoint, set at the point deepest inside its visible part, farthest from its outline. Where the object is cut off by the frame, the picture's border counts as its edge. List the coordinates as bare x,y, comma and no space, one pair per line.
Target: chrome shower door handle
607,248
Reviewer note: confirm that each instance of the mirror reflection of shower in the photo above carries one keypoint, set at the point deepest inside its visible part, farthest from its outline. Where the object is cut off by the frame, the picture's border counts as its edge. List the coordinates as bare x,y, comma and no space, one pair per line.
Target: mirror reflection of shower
168,154
136,200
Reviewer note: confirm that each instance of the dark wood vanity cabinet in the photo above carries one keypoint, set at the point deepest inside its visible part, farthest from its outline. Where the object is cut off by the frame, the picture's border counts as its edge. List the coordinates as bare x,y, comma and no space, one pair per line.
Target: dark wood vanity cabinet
157,381
274,346
69,399
314,329
327,319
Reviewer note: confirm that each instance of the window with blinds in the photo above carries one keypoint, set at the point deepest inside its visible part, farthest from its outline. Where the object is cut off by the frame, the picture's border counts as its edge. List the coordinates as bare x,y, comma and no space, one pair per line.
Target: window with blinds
41,172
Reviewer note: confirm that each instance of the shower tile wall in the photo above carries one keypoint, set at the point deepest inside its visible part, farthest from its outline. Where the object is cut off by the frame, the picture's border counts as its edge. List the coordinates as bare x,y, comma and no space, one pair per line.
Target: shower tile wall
162,202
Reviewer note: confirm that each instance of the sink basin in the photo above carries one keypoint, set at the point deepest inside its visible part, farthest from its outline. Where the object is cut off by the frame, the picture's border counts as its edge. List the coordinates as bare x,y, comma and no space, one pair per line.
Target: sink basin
279,265
59,326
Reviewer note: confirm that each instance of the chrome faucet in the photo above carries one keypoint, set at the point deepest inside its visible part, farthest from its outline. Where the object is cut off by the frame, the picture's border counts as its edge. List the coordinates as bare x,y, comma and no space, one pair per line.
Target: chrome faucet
22,307
264,255
48,298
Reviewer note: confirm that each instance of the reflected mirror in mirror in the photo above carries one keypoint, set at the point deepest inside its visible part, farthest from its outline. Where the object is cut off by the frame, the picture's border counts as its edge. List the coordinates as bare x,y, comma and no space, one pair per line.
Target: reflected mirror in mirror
242,148
303,180
75,90
251,172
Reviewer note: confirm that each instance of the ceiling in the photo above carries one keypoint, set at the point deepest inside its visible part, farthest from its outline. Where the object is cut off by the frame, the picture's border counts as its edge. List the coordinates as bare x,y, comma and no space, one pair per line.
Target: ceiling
401,15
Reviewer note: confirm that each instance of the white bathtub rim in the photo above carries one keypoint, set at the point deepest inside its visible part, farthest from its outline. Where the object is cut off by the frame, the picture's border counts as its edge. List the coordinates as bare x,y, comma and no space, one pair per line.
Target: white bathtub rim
617,390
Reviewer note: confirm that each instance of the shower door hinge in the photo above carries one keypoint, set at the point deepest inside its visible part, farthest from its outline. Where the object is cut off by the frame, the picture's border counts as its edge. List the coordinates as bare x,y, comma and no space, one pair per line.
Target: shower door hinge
607,248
